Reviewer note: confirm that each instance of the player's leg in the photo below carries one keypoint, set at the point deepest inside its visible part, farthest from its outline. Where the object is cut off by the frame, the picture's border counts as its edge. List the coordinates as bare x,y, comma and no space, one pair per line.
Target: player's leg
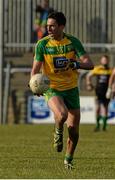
104,109
73,135
60,111
113,90
98,116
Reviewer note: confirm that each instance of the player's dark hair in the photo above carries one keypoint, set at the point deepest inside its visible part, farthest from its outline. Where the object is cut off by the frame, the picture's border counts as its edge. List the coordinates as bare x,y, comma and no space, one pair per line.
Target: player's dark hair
59,17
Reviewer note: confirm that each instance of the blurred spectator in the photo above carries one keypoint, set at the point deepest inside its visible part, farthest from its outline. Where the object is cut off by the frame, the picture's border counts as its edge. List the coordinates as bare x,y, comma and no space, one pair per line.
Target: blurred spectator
37,31
40,29
102,73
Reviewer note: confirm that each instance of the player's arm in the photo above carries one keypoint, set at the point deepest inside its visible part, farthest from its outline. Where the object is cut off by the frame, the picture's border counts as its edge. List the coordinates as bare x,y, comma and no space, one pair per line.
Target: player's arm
85,62
36,67
89,85
38,59
111,80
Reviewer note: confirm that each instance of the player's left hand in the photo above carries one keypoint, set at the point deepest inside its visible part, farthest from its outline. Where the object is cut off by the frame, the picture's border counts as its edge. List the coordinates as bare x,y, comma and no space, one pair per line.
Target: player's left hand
73,64
89,87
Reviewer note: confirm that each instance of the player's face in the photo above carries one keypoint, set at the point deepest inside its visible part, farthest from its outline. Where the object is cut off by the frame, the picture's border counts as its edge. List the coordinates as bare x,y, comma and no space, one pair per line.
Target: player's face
104,61
54,30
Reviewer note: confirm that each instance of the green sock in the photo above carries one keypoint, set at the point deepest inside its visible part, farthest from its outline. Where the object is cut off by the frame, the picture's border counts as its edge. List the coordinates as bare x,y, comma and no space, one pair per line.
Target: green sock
68,157
97,121
104,118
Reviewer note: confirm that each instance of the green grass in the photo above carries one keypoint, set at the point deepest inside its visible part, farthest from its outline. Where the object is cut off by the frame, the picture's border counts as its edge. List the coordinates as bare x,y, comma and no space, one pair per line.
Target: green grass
26,151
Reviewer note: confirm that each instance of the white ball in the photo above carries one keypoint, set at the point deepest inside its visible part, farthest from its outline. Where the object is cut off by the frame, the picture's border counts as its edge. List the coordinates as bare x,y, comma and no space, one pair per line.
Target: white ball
39,83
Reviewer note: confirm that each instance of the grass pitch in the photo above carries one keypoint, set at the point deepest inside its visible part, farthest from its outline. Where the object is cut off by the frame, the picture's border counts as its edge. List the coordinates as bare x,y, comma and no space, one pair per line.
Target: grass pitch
26,151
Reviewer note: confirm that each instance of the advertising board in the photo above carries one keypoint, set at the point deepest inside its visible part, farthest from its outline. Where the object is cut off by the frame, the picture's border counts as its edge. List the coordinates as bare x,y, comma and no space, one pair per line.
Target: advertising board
39,112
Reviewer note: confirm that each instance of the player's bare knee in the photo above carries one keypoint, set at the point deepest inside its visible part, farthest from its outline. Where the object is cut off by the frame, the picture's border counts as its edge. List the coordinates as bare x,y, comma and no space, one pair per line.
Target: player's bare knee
62,116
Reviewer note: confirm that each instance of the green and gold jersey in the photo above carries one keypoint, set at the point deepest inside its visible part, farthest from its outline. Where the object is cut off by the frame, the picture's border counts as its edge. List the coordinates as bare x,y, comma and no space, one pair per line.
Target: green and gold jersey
55,55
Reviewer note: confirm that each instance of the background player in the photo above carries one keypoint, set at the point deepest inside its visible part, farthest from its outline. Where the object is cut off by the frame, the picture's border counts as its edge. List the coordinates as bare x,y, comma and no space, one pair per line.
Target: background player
102,73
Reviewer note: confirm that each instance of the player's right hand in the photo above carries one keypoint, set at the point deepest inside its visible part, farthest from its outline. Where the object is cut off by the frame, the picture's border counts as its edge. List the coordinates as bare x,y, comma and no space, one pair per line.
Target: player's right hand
89,87
35,93
108,93
38,95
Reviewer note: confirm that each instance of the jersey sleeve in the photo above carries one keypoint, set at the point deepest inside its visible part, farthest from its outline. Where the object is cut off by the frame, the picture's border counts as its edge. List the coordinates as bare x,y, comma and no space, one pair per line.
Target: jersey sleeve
39,56
95,70
79,49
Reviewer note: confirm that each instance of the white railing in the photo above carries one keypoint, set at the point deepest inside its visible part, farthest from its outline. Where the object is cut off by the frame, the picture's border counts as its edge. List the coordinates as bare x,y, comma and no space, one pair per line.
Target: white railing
109,46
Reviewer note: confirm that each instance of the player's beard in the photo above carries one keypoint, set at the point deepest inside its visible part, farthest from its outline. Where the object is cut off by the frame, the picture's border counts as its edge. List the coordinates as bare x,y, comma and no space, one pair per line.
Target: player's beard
57,36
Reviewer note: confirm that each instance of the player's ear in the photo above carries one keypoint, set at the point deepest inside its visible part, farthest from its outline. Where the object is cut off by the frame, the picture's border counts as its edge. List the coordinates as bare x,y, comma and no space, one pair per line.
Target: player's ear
62,27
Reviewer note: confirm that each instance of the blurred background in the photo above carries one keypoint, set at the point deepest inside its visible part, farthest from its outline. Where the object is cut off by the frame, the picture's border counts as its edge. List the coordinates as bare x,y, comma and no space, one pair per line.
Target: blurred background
92,21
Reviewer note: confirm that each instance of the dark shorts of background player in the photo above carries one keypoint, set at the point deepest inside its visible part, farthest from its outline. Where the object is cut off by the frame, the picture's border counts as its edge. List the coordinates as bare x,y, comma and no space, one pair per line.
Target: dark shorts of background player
101,95
70,97
102,100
